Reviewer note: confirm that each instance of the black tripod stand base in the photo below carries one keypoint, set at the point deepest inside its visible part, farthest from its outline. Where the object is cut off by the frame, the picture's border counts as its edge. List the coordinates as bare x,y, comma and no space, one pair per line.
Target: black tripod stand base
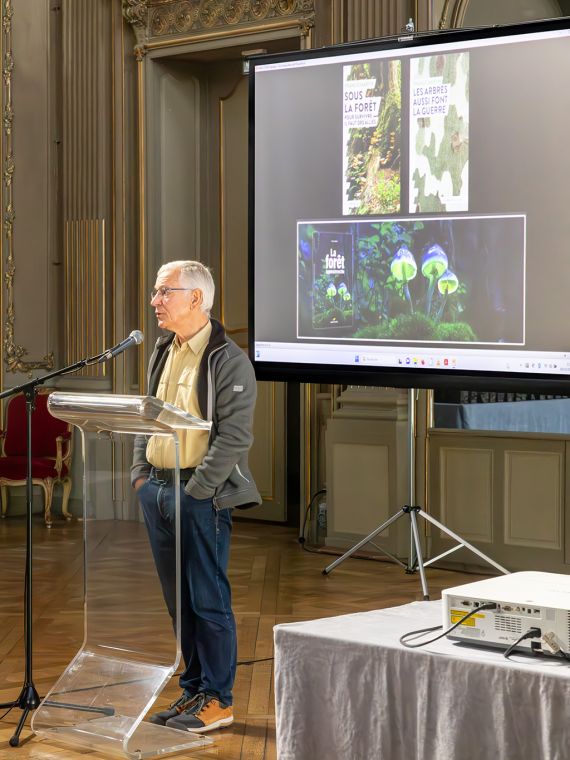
15,740
27,701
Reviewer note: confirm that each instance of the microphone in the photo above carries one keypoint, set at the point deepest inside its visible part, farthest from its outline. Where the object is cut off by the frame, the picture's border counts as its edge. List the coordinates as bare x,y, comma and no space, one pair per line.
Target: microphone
134,339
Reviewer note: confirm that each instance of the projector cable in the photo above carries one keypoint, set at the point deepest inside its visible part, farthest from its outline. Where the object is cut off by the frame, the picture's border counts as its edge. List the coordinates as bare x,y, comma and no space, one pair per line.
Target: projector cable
404,639
532,633
7,711
254,662
302,537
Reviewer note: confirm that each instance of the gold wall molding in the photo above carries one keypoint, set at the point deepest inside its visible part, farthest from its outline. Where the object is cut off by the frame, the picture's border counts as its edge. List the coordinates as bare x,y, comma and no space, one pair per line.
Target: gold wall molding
141,144
153,19
192,16
135,12
13,353
454,10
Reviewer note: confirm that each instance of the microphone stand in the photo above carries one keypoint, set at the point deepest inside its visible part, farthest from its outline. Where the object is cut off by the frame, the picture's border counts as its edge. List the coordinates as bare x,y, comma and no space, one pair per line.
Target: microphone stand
29,699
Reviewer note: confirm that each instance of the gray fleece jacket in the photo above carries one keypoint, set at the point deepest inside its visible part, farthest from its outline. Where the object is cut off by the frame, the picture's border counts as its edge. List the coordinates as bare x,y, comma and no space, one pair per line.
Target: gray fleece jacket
226,396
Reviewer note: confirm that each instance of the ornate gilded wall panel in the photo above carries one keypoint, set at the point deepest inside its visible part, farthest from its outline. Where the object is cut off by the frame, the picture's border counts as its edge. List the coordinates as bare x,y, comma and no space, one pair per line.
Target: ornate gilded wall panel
14,354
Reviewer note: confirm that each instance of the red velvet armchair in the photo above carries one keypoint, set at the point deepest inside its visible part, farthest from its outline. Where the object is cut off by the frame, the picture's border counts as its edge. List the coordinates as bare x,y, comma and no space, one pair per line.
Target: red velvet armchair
51,452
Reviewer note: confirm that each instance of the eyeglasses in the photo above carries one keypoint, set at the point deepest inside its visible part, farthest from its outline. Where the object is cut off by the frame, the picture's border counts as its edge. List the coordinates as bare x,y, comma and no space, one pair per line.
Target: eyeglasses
164,292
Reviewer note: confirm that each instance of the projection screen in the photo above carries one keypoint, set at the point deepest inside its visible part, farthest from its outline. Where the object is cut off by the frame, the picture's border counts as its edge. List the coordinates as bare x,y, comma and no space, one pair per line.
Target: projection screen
409,210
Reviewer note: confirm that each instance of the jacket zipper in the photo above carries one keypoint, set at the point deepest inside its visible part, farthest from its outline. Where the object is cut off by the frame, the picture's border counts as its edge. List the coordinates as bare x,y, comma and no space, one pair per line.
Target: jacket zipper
209,413
241,473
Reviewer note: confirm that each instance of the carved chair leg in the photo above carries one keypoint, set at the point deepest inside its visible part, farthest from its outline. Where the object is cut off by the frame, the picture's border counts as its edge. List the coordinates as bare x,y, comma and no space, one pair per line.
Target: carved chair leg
4,494
47,485
66,484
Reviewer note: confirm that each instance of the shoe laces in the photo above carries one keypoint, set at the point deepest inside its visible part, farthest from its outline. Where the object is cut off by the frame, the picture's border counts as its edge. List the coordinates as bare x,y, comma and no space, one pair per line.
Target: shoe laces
205,703
183,702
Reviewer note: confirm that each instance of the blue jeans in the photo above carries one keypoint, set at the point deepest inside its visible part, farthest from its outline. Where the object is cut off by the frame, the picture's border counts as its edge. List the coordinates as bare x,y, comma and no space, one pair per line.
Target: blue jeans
208,630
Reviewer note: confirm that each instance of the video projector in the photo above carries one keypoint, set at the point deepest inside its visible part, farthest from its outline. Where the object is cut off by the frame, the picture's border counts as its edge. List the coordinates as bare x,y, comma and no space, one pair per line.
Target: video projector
523,601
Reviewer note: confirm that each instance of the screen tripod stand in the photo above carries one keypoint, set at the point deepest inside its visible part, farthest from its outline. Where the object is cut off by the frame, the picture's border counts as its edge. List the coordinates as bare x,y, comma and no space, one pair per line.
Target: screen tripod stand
415,559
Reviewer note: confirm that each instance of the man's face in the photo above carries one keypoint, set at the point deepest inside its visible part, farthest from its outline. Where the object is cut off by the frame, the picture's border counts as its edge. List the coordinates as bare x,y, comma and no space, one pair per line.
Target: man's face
176,311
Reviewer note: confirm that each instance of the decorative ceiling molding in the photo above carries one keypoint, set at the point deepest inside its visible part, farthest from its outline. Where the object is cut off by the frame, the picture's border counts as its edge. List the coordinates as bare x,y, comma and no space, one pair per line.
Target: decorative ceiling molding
153,19
135,12
13,353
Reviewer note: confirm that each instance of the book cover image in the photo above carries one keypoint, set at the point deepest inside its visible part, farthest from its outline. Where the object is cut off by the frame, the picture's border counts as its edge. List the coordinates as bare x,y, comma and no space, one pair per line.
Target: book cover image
372,105
332,279
439,133
427,278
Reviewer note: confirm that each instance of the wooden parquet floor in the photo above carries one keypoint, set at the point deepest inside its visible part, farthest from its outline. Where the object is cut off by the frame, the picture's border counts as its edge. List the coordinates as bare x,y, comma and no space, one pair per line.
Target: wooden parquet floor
274,581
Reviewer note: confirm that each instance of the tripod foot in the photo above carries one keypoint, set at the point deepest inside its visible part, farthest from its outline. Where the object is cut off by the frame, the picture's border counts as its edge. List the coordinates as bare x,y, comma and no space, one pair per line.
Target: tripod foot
15,740
325,571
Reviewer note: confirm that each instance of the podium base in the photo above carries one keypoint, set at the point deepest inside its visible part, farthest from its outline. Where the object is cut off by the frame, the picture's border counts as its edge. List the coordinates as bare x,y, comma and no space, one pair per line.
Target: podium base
107,735
99,702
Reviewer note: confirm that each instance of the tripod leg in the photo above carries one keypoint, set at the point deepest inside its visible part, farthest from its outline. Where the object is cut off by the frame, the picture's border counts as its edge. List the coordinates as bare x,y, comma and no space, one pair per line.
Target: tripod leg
356,547
15,739
418,553
463,542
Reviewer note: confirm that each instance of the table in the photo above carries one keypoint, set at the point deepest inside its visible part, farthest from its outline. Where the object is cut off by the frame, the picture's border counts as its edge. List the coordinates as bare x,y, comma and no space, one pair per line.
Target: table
346,689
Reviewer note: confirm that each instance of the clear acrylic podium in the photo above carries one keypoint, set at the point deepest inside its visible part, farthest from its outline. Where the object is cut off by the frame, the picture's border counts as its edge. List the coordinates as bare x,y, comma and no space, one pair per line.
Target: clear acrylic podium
131,647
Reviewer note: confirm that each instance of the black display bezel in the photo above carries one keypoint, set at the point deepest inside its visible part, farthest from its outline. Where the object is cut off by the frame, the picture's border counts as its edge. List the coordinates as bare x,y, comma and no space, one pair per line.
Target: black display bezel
389,376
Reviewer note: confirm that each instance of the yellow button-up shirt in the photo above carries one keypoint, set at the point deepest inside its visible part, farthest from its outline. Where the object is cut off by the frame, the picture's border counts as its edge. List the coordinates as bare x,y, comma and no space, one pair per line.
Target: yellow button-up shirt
177,386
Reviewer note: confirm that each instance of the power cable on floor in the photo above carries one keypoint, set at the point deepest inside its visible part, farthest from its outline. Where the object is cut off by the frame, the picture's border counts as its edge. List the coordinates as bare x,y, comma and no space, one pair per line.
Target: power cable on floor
302,538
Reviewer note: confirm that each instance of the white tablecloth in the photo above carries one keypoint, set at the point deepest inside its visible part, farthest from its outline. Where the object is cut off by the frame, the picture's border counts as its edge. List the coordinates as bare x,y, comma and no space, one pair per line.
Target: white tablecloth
346,688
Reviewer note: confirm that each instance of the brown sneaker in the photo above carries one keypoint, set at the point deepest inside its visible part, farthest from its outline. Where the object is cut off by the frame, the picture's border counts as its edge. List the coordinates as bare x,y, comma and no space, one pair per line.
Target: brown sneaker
205,715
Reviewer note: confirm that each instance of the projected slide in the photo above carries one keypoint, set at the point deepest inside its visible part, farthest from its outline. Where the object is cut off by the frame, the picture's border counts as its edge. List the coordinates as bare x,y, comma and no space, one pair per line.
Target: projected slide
439,133
459,279
371,137
409,201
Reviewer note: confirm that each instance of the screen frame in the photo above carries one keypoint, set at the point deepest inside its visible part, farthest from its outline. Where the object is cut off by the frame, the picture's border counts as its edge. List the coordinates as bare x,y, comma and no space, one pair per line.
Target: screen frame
387,376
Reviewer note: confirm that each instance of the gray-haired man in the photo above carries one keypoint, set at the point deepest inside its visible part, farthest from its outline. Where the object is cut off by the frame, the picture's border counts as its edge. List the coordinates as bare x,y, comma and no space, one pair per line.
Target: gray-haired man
199,369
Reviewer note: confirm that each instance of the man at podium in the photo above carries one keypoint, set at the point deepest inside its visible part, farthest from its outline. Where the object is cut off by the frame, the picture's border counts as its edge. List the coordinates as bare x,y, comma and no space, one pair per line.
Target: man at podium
196,367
